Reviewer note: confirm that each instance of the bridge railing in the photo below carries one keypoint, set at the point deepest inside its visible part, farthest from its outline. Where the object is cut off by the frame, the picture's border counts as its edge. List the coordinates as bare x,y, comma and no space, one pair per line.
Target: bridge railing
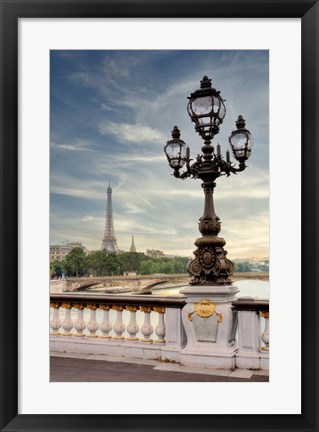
138,282
133,325
149,327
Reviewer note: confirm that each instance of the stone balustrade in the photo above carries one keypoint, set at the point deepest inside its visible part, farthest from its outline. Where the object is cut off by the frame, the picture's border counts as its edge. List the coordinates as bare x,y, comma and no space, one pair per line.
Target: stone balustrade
150,327
140,326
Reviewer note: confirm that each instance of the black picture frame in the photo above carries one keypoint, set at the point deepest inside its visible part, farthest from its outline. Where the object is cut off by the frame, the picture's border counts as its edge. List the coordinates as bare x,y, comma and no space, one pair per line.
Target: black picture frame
11,11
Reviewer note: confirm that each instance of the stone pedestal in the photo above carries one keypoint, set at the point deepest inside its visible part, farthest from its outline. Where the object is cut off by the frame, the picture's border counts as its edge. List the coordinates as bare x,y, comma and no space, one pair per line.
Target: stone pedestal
210,326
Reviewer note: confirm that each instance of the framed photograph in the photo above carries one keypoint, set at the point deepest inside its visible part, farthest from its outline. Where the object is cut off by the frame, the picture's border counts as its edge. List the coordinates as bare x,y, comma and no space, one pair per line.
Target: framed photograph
47,50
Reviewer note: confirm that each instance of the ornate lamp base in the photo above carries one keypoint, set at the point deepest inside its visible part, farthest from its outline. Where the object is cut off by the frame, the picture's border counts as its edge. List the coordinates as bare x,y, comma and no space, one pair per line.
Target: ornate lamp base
210,325
210,265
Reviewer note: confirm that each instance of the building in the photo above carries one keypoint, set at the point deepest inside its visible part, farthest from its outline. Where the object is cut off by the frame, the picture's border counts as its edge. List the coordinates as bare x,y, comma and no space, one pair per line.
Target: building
132,248
109,241
59,252
155,253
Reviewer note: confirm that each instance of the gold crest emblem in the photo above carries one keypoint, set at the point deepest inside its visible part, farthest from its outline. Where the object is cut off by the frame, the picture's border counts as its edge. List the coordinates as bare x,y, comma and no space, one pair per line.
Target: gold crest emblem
204,309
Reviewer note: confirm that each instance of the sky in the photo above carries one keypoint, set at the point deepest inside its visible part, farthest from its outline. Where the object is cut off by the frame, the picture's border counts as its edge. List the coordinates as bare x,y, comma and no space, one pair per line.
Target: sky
111,114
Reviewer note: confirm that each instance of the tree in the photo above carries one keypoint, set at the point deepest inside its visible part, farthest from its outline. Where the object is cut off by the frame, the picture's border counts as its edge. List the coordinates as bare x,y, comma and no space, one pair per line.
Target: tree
166,266
51,271
113,265
104,263
97,262
263,267
149,267
56,268
180,264
75,263
131,261
243,267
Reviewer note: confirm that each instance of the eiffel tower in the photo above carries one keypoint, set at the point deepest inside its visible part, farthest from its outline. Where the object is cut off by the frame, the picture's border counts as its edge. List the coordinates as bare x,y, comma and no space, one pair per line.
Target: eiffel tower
109,240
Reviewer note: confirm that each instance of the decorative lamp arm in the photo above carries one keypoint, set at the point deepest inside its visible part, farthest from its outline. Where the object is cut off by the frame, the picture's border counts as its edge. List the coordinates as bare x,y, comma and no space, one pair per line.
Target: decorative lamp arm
242,166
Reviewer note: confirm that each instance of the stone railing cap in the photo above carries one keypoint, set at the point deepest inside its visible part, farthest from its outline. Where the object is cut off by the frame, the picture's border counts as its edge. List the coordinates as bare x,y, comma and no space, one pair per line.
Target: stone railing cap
177,302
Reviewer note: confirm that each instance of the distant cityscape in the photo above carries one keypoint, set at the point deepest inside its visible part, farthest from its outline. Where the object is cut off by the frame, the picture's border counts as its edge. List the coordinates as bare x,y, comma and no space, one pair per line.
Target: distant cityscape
85,261
60,251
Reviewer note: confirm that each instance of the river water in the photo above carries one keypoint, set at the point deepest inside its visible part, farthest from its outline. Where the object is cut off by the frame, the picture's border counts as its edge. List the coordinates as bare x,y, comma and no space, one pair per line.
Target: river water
251,288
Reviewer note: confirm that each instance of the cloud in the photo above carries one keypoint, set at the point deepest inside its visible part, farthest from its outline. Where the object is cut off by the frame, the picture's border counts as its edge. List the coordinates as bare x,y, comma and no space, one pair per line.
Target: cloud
77,146
134,209
132,132
65,184
147,158
91,218
138,228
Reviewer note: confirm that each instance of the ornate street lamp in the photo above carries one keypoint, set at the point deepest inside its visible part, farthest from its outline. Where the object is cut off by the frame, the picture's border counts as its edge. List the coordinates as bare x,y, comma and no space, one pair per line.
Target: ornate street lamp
207,110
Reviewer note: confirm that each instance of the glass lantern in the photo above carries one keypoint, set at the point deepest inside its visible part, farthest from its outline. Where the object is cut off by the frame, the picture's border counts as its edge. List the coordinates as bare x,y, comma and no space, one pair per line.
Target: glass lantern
206,109
175,150
241,141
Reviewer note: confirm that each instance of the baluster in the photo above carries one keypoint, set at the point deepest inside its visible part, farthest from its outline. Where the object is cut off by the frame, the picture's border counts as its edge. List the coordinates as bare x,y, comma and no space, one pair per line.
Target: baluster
79,324
67,323
92,325
160,328
265,335
105,325
119,326
55,322
132,327
147,328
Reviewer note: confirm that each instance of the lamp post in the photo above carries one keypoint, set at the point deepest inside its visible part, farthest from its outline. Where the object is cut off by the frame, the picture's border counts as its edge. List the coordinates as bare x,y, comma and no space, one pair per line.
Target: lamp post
208,317
207,110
